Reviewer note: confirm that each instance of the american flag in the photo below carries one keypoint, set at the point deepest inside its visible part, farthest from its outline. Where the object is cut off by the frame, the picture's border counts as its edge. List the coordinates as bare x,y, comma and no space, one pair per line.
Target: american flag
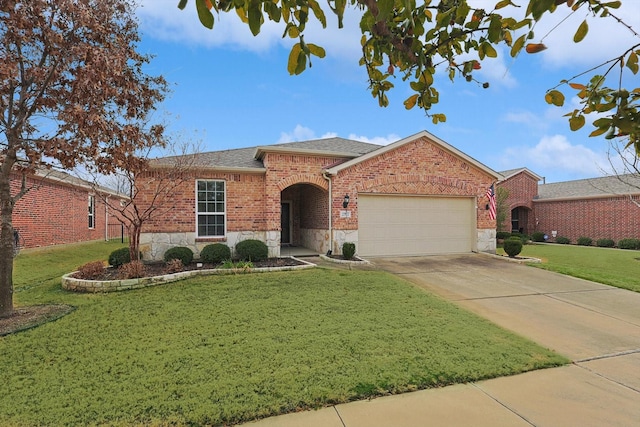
491,195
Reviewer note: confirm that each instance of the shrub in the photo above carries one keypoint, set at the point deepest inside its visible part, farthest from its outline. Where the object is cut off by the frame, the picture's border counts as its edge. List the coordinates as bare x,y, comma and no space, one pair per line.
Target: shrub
215,253
523,237
537,236
503,235
348,250
119,257
132,270
563,240
585,241
173,266
513,246
252,250
629,244
91,270
605,243
182,253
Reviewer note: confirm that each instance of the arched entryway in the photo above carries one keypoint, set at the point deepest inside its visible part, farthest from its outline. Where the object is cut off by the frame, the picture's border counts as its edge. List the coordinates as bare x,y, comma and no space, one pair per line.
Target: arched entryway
304,217
520,220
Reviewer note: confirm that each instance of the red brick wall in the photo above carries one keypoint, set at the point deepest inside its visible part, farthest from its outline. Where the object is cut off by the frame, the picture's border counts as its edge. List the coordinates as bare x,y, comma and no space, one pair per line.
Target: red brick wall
54,213
253,201
284,170
245,203
522,189
418,167
606,218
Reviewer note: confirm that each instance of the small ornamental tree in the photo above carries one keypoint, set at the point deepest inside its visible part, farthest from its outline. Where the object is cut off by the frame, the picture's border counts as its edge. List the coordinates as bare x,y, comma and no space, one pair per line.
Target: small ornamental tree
72,92
151,196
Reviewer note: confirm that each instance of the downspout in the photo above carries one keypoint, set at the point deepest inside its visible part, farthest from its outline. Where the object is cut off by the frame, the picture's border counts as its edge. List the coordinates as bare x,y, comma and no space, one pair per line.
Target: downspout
106,218
326,176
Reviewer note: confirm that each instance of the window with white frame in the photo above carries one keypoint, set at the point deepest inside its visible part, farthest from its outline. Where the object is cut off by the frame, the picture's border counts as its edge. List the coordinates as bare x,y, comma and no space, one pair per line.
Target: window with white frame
92,211
210,208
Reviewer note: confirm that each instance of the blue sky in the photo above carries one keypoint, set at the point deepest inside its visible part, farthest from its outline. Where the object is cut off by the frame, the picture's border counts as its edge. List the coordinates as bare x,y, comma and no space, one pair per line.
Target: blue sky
232,90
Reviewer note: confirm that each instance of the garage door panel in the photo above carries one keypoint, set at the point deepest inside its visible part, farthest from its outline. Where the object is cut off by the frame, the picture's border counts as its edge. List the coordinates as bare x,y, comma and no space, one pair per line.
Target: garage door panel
414,225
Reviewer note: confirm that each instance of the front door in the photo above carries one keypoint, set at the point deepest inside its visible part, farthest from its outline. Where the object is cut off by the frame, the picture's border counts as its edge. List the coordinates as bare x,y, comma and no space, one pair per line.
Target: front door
285,223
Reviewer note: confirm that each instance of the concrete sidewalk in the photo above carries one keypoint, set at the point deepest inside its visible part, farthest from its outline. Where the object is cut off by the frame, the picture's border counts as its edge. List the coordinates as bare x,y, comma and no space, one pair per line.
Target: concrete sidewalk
597,326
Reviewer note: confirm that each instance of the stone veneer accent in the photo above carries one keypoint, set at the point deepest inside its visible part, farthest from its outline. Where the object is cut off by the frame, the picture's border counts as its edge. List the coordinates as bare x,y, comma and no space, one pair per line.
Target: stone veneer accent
316,239
154,245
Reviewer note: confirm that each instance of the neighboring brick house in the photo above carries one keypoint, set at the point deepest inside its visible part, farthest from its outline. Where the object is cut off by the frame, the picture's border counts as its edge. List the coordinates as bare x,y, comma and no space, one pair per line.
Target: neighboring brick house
522,187
416,196
599,208
59,209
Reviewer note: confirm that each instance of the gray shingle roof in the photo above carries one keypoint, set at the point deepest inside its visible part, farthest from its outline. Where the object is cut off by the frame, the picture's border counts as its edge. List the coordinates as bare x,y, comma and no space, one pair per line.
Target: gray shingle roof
244,157
509,173
592,187
332,144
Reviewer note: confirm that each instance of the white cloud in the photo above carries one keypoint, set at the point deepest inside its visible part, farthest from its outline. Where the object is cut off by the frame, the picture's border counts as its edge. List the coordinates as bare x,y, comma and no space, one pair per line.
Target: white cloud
162,19
299,133
606,39
302,133
379,140
556,156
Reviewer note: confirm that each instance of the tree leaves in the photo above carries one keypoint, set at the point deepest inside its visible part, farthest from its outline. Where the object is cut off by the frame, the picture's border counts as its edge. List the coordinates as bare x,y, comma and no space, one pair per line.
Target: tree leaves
554,97
416,41
582,31
204,14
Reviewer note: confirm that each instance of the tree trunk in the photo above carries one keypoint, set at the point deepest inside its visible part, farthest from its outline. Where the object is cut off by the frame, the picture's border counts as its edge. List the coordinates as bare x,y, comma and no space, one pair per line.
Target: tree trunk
134,241
6,247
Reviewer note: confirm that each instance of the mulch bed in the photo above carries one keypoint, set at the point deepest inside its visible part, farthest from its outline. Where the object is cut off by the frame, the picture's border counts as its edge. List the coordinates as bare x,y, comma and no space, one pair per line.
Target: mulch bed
24,318
159,268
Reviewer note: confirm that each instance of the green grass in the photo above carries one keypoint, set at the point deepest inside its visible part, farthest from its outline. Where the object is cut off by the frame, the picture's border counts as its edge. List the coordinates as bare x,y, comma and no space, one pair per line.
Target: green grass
225,349
615,267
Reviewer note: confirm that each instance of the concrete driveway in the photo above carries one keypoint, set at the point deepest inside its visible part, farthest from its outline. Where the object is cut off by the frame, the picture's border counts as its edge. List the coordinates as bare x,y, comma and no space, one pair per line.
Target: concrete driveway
596,326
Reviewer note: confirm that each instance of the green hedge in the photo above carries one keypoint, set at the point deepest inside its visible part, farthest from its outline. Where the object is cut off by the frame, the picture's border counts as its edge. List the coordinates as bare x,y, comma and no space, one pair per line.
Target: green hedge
252,250
585,241
605,243
182,253
215,253
513,246
629,244
348,250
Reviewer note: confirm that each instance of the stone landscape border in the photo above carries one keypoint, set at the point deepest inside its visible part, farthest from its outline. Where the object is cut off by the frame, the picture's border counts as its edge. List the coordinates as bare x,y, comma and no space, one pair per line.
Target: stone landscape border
71,283
356,260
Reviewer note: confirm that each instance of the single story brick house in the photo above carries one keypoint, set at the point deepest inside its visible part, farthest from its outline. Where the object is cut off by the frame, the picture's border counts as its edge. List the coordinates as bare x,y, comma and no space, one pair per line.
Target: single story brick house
600,208
416,196
59,209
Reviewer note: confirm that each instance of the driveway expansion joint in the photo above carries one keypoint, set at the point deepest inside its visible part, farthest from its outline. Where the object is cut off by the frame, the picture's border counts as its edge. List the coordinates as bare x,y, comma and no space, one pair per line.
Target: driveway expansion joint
339,416
608,356
508,408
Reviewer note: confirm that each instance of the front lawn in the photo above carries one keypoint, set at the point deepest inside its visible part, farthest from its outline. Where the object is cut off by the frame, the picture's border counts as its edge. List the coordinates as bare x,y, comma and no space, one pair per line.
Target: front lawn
615,267
221,350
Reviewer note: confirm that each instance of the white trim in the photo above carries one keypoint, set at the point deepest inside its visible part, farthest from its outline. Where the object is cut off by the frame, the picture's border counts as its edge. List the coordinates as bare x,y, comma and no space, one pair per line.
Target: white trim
525,170
91,214
197,212
400,143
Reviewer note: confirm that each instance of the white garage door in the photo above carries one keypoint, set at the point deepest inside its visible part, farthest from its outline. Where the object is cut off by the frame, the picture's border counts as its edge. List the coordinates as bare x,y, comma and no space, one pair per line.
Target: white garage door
414,225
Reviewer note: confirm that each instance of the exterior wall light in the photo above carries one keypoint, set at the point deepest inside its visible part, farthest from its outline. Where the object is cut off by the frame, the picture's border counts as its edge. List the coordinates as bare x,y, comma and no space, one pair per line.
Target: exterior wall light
345,202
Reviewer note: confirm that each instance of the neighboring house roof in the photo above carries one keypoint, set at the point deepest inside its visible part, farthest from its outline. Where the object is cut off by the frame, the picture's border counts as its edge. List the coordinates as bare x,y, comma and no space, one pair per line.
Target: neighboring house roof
55,175
249,159
512,172
383,149
607,186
